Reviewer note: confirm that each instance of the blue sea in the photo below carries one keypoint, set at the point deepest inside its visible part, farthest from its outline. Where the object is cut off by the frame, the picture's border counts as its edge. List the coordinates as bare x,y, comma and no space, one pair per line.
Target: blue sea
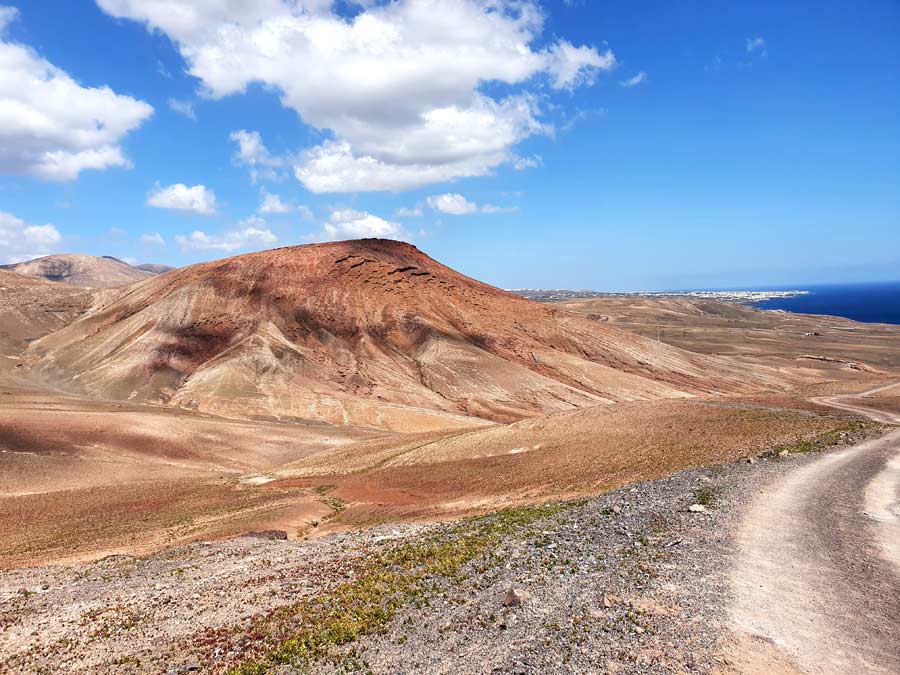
873,303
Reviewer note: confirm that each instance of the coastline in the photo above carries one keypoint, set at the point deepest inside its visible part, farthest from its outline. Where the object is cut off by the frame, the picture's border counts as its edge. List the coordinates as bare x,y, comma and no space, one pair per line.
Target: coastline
875,302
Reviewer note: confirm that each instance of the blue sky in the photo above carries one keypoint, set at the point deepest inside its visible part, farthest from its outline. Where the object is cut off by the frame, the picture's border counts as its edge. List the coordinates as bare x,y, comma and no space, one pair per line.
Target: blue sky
631,145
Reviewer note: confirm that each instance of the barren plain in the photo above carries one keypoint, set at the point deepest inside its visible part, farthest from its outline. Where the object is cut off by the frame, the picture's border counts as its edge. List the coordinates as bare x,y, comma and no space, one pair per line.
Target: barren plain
316,391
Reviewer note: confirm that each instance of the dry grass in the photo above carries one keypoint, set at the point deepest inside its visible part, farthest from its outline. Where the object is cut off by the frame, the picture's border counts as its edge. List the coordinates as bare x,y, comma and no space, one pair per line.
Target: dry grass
584,452
135,479
885,403
77,525
767,338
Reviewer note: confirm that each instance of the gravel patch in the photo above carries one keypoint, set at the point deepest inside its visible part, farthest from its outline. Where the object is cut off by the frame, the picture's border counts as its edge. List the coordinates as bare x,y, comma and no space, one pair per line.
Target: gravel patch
631,582
127,614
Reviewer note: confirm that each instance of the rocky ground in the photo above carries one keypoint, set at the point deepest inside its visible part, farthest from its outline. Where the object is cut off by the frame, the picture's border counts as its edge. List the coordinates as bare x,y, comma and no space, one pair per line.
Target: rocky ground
633,581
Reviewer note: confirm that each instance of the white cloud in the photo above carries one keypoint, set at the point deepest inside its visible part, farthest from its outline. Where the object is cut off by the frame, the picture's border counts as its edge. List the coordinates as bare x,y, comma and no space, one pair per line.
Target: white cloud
398,85
250,233
408,212
272,204
185,108
7,15
453,203
152,239
252,152
634,81
573,66
22,241
332,167
522,163
180,197
352,224
50,126
755,44
162,70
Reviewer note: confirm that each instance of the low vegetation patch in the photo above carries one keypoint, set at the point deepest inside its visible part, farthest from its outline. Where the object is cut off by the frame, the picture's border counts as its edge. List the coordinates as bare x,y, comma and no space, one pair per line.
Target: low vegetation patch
851,431
313,629
704,496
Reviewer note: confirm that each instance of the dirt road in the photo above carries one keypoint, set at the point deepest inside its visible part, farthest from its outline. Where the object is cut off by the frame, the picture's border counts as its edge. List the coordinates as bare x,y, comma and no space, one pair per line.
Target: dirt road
817,579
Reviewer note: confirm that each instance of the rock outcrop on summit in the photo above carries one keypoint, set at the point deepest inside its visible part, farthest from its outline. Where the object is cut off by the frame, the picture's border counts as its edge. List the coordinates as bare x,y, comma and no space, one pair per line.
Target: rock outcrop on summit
368,333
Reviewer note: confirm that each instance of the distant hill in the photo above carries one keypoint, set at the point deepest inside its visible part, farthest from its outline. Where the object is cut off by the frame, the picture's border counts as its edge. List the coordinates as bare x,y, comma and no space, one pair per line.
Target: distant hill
81,270
31,308
368,333
154,268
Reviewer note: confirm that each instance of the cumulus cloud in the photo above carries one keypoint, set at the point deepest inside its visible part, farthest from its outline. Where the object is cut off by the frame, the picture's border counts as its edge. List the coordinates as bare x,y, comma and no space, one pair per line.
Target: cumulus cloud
332,167
522,163
185,108
352,224
634,81
250,233
408,212
454,204
180,197
50,126
572,66
152,239
272,204
251,150
23,241
7,14
398,86
253,153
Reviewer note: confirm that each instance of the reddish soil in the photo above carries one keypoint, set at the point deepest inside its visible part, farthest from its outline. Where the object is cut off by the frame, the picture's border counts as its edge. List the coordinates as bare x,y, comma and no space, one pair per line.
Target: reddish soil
889,404
583,452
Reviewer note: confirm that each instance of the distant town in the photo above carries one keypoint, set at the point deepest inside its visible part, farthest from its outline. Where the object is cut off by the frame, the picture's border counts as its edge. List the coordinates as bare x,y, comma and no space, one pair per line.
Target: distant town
738,297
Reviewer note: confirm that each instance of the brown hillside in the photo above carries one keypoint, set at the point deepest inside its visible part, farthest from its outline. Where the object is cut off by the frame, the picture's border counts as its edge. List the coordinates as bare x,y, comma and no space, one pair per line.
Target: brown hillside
370,333
154,268
31,308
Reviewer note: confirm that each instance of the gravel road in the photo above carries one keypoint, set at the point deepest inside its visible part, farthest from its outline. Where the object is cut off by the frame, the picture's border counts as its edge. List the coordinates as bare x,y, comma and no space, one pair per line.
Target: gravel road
817,575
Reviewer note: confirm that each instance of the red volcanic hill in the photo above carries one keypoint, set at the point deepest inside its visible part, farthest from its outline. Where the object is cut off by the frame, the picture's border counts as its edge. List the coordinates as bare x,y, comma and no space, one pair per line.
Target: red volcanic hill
368,332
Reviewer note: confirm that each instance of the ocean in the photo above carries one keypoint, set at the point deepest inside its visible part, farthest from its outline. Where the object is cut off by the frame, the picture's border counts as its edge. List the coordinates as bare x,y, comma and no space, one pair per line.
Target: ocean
872,303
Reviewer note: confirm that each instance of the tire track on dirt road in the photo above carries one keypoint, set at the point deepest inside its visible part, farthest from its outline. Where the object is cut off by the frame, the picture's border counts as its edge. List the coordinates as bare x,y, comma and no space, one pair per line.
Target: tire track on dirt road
817,576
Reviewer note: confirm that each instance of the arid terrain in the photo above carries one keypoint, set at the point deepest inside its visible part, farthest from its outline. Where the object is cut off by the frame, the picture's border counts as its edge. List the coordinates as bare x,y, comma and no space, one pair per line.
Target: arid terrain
84,270
832,349
316,391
